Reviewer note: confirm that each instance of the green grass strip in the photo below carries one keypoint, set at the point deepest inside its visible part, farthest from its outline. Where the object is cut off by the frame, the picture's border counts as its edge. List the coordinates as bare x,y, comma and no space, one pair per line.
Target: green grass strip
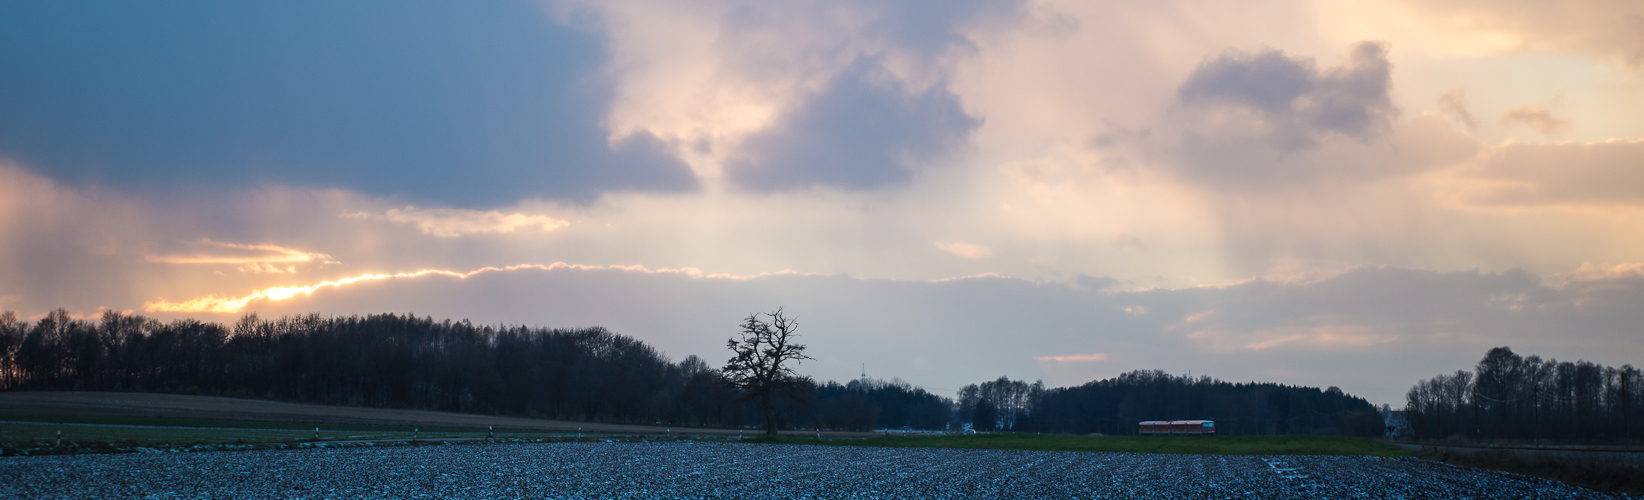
1210,445
231,424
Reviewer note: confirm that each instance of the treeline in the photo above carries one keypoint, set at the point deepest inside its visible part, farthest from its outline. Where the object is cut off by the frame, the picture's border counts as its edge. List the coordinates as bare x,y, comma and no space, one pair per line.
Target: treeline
1514,398
592,374
401,361
1114,406
868,404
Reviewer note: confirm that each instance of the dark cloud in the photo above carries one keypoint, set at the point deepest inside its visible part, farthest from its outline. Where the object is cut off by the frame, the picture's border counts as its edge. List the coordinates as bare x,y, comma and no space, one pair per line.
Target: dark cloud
1092,283
929,28
1267,120
1297,99
432,101
864,131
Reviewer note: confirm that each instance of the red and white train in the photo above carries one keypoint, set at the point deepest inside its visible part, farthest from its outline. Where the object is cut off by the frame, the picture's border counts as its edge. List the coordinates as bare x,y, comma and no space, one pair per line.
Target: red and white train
1177,428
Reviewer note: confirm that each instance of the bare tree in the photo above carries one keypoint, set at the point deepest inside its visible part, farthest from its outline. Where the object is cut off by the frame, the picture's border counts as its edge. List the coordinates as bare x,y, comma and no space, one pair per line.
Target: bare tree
760,366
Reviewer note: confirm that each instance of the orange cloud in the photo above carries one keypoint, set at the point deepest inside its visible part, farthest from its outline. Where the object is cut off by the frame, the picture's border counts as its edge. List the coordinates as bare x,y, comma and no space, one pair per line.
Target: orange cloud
217,252
970,251
452,223
232,305
1321,337
1537,117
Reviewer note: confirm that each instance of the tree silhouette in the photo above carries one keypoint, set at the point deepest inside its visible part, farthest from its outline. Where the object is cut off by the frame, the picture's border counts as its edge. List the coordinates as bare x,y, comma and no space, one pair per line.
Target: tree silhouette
760,366
402,361
1509,397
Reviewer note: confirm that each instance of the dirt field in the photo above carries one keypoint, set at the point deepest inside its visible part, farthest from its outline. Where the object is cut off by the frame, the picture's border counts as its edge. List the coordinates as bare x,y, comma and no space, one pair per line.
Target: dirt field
204,407
701,469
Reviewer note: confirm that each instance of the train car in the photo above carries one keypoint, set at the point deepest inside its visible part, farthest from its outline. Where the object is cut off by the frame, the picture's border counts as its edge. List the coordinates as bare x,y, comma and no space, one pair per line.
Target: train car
1177,428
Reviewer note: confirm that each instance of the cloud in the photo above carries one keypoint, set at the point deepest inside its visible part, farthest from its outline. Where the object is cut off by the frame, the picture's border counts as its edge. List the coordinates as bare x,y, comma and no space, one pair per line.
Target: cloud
1294,99
1453,103
1267,119
967,250
1113,155
462,106
1363,328
206,251
453,223
231,305
1320,337
865,131
66,247
1609,30
1074,358
1592,174
259,268
1231,162
1593,273
1536,117
788,96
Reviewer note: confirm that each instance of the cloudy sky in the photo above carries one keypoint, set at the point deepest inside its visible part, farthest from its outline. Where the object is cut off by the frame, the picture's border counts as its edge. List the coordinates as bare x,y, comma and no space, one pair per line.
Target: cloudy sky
1348,193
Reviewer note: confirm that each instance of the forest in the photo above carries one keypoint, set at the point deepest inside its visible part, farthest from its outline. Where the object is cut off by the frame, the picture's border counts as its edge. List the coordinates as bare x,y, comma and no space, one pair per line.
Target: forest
593,374
1114,406
1513,398
402,361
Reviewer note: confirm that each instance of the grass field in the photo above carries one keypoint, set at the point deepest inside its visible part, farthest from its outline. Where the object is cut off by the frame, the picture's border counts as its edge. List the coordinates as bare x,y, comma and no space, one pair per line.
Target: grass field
216,423
1217,445
21,430
25,430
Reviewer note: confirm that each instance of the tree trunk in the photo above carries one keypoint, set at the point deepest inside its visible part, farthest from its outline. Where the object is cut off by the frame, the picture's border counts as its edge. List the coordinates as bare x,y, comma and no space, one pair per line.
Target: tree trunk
770,418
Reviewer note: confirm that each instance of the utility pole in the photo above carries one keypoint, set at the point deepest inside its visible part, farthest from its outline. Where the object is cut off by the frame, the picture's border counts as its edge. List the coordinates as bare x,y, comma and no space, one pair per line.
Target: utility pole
1536,401
1478,425
1626,424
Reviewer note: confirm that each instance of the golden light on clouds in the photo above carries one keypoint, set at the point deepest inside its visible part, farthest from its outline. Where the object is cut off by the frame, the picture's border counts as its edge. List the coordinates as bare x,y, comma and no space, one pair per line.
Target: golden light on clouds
217,252
452,223
233,305
970,251
1315,337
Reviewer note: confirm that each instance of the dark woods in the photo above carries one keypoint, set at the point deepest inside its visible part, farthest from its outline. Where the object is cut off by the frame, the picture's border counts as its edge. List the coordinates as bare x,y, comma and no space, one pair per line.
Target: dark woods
397,361
1114,406
1527,399
592,374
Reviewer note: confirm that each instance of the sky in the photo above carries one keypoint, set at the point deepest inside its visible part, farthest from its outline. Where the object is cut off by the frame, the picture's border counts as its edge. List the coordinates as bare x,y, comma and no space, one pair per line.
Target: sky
1358,194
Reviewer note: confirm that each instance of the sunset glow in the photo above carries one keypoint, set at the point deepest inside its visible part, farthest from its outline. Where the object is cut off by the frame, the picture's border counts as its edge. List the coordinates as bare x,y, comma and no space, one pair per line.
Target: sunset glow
216,252
1352,193
232,305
